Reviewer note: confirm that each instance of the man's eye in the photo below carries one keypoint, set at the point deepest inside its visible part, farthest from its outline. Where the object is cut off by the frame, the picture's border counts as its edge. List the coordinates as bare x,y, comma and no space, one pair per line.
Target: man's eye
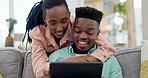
90,33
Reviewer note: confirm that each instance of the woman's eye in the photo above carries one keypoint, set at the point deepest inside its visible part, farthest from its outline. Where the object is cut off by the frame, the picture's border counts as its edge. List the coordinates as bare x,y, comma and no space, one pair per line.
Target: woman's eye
53,23
77,31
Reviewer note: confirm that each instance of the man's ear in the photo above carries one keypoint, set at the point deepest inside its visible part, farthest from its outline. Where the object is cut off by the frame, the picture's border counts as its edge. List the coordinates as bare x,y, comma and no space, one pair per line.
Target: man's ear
98,32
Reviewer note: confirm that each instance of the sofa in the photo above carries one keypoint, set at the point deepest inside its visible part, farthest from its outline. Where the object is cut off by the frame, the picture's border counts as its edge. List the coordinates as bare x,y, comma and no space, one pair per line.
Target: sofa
15,63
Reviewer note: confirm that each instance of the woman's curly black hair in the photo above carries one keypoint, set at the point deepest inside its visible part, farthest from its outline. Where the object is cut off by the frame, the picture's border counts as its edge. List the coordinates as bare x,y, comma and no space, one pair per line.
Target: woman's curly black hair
34,18
37,12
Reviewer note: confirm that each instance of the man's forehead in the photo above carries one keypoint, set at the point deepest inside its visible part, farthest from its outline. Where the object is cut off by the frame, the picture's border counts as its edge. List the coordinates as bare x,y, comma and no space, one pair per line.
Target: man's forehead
85,21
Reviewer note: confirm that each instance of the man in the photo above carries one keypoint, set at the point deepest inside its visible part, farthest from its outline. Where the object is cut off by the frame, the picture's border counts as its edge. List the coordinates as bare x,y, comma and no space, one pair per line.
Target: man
85,32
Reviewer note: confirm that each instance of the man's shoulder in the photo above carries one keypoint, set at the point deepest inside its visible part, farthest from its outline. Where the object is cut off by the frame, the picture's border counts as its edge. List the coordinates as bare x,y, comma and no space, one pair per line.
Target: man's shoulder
61,51
65,49
111,59
58,53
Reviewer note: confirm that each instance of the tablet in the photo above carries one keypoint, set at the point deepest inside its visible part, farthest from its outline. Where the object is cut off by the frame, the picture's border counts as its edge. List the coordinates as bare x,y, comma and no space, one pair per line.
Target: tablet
76,70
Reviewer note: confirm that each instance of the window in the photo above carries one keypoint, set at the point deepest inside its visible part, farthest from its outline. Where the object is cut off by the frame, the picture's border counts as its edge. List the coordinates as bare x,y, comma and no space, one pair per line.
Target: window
21,11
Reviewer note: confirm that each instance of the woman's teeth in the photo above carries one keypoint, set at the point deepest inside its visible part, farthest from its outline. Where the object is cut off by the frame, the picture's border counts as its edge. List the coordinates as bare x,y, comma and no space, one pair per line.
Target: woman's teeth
60,33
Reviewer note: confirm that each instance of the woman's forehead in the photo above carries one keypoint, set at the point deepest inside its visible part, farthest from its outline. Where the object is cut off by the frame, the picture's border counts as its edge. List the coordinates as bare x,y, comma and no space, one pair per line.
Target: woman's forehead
58,11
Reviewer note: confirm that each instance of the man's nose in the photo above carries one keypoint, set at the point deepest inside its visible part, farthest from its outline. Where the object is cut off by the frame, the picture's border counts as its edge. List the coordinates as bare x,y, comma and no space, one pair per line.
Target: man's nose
83,35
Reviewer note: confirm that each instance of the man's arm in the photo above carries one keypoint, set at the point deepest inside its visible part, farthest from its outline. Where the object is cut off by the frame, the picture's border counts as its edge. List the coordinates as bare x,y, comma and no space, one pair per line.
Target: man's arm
116,71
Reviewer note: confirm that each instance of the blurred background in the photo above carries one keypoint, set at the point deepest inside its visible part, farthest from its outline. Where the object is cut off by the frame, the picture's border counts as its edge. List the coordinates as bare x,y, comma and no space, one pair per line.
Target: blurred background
124,22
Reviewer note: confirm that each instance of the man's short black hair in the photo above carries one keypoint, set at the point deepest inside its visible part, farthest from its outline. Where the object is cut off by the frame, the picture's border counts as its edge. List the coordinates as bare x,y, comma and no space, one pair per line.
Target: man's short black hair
90,13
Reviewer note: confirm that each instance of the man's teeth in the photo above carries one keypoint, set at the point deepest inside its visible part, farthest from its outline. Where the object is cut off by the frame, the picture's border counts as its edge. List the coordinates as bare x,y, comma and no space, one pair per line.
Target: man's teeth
83,42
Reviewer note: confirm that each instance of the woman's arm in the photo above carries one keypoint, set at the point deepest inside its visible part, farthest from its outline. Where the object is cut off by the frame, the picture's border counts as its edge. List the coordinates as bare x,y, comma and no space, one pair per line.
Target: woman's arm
103,52
40,62
87,58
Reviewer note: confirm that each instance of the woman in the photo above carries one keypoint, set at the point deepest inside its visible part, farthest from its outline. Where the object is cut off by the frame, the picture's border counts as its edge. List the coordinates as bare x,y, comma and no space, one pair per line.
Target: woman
53,32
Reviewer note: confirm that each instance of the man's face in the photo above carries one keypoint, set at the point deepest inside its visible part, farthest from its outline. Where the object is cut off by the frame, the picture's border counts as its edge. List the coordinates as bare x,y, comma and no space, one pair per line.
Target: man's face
84,34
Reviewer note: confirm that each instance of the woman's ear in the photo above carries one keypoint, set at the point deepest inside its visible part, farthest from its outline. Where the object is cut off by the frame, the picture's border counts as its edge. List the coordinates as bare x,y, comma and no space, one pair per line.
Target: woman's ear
44,19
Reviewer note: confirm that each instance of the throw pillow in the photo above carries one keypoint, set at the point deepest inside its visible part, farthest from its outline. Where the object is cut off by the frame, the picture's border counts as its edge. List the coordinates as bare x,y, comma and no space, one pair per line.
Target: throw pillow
144,60
1,74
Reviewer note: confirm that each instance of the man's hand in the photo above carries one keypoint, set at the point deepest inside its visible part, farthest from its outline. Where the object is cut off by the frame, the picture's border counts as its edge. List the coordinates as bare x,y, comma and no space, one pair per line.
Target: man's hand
88,58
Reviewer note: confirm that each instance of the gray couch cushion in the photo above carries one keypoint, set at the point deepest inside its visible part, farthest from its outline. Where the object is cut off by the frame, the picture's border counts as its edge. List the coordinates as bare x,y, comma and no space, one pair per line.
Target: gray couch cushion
129,59
11,62
28,71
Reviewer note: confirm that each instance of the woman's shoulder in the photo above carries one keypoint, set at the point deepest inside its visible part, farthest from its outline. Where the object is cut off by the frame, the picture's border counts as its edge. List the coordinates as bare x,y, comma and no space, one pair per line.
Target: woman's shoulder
39,29
38,32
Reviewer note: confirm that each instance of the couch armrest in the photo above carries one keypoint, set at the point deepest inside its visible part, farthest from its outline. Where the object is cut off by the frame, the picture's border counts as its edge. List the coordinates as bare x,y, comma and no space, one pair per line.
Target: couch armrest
27,70
129,59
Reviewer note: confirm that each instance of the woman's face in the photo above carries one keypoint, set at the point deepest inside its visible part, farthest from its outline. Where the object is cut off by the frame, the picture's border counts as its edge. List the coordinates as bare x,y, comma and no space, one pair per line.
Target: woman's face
57,19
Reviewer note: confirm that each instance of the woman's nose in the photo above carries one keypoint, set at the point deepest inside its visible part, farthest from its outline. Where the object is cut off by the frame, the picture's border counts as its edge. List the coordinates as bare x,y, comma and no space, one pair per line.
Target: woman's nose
59,27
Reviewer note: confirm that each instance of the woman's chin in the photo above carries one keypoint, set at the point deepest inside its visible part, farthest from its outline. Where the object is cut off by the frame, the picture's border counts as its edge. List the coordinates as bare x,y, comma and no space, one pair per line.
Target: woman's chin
59,36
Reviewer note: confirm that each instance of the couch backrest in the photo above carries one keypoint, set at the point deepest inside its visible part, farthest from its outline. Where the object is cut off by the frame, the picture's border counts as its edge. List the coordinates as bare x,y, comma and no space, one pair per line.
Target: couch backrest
14,64
11,62
129,59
